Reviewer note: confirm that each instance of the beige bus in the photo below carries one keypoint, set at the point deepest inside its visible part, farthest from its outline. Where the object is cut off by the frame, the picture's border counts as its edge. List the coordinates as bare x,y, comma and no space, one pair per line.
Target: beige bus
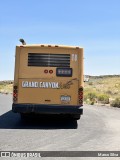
48,79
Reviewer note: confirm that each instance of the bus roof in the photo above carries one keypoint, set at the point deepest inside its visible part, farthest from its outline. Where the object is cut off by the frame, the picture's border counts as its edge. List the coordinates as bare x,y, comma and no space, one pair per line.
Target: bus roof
49,45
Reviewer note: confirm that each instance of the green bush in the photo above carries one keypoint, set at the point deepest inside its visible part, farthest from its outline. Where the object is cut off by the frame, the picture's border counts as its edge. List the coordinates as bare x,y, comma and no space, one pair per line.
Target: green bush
91,96
109,92
116,103
92,103
103,98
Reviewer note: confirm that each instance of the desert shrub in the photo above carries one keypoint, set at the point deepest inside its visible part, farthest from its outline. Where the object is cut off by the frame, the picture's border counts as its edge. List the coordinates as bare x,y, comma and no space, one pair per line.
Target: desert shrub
1,83
90,95
92,103
109,92
90,83
116,103
103,98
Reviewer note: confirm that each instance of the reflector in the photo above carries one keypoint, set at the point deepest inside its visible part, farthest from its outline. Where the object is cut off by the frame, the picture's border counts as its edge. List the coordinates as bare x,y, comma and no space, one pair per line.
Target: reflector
45,71
50,71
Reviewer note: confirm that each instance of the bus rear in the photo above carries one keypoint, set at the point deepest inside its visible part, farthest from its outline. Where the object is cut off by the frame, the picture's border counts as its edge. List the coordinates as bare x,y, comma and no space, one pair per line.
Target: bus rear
48,80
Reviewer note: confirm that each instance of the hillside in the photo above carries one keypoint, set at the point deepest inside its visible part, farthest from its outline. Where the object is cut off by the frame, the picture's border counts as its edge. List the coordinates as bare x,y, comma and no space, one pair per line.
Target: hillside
102,88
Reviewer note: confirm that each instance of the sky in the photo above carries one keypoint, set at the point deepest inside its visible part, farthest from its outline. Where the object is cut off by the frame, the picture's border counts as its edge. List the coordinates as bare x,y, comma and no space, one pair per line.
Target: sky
91,24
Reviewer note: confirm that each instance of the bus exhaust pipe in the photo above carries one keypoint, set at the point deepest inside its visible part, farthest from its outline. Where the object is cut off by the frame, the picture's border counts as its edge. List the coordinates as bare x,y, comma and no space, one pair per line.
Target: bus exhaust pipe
22,41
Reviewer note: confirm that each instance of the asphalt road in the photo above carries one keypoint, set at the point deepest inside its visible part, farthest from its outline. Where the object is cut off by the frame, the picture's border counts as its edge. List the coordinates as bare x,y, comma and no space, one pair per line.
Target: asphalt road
97,130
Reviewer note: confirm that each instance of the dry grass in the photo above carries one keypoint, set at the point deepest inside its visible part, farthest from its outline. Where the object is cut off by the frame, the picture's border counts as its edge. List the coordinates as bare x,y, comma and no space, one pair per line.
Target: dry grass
103,85
6,87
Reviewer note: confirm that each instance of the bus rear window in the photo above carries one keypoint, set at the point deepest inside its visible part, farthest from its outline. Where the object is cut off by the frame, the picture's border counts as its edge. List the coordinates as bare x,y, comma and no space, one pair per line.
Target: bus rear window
48,60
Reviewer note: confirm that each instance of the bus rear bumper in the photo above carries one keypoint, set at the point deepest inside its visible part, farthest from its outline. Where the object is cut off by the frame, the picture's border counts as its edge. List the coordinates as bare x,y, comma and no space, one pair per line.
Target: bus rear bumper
47,109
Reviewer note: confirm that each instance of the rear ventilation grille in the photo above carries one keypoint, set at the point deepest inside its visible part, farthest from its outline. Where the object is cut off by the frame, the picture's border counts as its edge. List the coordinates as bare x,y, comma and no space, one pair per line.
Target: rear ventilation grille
48,60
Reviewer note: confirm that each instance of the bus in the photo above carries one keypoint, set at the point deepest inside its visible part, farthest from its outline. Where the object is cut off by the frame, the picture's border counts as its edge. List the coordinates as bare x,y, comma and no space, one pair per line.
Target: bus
48,79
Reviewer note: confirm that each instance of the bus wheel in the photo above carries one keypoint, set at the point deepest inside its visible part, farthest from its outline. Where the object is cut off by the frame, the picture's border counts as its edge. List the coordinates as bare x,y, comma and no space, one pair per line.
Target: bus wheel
76,116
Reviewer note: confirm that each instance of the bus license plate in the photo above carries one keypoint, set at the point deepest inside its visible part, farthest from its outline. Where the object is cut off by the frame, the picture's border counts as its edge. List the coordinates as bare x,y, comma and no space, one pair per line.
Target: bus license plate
65,98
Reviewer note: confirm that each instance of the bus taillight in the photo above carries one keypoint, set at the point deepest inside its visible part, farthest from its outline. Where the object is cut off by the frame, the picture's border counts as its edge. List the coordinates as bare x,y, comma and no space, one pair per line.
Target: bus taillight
15,93
80,96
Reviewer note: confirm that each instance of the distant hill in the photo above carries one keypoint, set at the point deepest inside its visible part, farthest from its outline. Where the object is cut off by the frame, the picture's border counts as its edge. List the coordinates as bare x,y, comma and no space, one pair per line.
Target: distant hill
6,82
